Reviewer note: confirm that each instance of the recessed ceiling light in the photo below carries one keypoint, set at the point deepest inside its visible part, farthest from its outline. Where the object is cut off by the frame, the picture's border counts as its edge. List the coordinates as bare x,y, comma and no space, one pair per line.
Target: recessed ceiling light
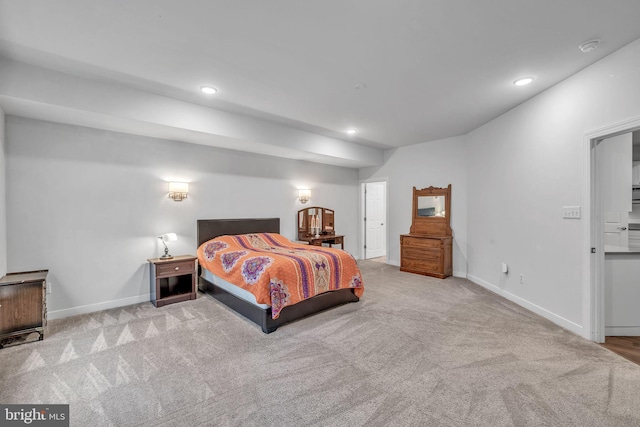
523,81
209,90
352,131
589,46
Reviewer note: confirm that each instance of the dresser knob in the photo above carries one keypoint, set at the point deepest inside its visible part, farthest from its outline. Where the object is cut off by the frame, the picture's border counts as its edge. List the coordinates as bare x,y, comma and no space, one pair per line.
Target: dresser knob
177,268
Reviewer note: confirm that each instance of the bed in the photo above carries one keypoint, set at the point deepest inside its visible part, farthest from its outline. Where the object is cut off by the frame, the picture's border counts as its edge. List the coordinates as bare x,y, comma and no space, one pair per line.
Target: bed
233,297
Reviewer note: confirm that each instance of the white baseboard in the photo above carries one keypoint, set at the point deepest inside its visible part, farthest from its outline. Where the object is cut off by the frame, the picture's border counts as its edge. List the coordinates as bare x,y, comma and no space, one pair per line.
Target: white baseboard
622,331
90,308
558,320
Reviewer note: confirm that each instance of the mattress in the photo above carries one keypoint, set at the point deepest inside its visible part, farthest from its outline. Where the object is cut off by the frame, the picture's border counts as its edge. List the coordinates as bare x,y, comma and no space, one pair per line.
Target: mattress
232,289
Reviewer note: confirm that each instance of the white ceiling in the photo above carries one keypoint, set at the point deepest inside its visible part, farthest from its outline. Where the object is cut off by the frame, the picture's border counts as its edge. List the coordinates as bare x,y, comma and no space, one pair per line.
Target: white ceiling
432,68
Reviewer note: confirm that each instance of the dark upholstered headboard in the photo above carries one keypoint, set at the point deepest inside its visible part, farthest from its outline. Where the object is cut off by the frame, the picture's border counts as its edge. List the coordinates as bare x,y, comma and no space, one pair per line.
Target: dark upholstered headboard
211,228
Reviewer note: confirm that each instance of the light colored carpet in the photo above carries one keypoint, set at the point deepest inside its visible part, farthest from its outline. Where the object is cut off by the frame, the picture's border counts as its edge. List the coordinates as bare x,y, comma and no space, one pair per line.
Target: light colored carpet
413,351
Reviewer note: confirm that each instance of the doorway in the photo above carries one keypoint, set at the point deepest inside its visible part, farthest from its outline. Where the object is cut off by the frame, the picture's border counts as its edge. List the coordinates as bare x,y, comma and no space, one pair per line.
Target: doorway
374,197
595,218
617,163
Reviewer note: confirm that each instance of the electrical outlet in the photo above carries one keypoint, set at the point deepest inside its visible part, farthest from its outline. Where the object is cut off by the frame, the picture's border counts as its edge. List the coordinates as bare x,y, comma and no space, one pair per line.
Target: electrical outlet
571,212
48,287
522,278
505,268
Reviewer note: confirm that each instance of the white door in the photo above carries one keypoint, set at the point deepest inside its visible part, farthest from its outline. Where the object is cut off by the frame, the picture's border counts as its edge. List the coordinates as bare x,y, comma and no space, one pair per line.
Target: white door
375,197
617,167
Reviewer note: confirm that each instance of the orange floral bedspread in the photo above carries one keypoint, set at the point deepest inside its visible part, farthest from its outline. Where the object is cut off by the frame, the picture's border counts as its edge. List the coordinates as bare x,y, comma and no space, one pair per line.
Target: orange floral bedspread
277,271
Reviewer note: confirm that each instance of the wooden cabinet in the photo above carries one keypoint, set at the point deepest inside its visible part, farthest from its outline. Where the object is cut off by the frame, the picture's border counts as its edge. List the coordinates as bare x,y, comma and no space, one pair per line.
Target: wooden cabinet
621,294
23,305
173,280
427,249
429,255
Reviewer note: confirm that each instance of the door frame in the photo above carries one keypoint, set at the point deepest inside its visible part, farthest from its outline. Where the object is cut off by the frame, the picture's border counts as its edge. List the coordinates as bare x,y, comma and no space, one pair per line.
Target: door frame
361,211
593,229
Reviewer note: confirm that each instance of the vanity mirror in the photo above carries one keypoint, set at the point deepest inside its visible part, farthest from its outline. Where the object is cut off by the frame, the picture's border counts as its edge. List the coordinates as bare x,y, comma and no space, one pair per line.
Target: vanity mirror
316,226
427,249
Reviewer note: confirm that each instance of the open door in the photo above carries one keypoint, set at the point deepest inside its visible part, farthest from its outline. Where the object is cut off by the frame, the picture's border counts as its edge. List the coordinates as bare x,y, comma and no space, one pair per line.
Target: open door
620,290
616,165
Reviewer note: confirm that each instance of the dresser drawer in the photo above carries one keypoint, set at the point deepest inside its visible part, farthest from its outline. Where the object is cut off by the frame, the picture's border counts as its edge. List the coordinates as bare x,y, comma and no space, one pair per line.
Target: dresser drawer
421,254
422,243
421,266
428,255
175,268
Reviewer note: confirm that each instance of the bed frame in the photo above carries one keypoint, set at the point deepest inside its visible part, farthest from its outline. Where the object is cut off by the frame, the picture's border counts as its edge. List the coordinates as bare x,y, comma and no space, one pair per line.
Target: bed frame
211,228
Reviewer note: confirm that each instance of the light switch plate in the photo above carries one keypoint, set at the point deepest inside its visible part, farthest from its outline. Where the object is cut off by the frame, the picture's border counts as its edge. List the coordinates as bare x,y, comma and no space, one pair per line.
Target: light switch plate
571,212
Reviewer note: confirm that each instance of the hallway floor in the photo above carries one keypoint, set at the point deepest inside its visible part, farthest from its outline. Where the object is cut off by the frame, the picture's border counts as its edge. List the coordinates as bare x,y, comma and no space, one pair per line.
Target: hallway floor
627,347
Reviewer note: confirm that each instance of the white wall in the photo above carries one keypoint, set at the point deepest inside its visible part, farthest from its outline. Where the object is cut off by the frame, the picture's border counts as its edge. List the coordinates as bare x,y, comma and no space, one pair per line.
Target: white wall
523,167
3,199
88,204
436,163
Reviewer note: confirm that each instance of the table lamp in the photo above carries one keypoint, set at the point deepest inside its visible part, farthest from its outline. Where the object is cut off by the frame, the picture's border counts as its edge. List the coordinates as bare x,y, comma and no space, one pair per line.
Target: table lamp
168,237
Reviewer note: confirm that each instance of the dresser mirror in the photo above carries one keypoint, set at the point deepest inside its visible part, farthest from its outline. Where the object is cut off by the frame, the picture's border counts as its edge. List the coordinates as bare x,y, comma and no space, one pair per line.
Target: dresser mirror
431,206
315,221
431,211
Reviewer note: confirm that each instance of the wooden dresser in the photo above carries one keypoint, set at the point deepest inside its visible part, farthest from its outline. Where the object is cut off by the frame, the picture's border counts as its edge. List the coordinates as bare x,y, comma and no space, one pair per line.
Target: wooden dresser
429,255
427,249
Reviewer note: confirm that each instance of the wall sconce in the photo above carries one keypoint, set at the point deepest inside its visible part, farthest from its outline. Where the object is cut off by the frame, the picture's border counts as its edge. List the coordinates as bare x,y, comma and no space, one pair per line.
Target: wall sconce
168,237
304,195
178,190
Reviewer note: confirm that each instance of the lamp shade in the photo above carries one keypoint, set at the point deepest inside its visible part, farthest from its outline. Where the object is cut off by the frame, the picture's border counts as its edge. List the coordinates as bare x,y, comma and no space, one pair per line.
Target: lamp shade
304,195
169,237
178,187
178,190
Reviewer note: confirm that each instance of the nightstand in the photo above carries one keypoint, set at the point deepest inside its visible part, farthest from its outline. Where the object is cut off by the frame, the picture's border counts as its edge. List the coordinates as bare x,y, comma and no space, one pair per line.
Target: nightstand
173,280
23,306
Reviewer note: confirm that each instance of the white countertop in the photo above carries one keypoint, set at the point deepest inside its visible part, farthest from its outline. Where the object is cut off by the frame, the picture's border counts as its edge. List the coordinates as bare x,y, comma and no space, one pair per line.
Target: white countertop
610,249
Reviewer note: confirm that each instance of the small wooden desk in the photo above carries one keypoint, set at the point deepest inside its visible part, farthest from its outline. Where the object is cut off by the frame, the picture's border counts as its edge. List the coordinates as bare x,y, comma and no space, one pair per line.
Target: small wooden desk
330,239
